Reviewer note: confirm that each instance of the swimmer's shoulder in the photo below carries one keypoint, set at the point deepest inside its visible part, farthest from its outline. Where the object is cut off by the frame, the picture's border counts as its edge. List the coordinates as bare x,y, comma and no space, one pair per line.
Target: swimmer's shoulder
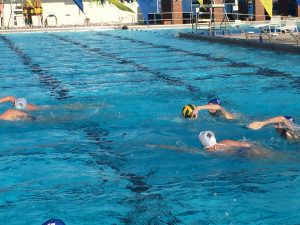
15,114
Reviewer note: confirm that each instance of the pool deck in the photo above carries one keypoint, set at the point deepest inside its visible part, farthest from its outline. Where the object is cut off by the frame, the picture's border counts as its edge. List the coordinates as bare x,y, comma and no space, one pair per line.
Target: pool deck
279,43
90,28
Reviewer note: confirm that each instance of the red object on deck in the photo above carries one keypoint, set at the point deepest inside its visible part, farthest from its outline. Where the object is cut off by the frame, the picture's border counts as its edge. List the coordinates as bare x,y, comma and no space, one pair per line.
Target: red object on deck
1,9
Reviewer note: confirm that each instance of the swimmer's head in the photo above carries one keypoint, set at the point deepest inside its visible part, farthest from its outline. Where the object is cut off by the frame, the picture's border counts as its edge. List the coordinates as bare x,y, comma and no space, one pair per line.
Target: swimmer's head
54,222
214,101
20,103
290,119
207,139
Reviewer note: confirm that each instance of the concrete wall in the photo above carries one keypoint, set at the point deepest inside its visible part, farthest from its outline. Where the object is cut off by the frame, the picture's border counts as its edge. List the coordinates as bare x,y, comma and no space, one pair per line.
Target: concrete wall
177,11
67,13
166,9
219,11
259,11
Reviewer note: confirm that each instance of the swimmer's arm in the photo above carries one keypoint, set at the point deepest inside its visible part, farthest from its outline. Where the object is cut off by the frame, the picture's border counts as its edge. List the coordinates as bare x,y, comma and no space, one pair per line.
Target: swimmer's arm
232,143
224,112
8,99
278,119
205,107
172,147
227,114
31,107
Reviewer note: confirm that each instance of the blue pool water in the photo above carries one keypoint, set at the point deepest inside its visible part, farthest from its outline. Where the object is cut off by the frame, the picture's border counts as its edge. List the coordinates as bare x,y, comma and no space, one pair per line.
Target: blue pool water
108,95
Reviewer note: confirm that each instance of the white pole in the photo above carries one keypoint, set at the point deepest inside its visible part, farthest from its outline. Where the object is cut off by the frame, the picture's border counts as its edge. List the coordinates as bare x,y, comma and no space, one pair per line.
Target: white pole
191,12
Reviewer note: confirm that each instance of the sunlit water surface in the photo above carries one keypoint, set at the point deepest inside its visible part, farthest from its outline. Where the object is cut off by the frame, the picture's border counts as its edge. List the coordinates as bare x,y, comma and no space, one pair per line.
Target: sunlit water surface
108,95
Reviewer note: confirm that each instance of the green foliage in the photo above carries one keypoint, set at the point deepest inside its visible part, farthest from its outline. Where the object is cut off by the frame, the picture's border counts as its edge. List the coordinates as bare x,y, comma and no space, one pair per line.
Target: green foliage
119,4
99,1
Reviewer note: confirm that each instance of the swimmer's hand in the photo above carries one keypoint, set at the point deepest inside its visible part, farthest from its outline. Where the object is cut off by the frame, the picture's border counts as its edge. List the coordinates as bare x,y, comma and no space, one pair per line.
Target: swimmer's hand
246,145
195,114
205,107
256,125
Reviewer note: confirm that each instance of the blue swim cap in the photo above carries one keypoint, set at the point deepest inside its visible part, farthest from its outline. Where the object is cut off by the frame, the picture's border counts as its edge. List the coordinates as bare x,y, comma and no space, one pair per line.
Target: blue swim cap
54,222
289,118
215,101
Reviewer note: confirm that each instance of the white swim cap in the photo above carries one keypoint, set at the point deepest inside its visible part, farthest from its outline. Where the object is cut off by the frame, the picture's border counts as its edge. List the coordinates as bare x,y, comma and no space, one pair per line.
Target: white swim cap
207,139
20,103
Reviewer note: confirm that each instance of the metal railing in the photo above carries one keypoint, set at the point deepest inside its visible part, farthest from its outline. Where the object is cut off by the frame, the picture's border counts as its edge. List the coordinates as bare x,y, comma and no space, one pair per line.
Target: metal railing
191,17
170,18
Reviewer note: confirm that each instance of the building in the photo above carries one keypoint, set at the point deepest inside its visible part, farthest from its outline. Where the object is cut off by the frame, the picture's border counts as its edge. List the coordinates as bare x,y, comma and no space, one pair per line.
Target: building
19,13
16,13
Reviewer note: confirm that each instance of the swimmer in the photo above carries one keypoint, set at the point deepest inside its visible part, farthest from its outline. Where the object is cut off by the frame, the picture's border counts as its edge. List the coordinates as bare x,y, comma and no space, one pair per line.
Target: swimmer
14,114
284,125
210,144
19,103
214,108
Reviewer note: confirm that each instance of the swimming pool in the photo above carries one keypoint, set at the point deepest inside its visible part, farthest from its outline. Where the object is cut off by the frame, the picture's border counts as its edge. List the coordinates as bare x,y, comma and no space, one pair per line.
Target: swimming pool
109,94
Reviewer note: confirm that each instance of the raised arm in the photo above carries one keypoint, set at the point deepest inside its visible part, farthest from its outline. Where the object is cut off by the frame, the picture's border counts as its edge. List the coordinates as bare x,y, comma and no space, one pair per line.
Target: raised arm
224,112
278,119
205,107
8,99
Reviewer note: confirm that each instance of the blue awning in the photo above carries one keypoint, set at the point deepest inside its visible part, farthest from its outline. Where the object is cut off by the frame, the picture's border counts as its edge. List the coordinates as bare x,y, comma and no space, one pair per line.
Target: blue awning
298,1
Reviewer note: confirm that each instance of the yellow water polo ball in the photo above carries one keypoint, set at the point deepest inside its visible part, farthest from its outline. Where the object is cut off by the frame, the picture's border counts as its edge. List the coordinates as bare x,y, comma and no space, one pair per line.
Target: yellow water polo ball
187,110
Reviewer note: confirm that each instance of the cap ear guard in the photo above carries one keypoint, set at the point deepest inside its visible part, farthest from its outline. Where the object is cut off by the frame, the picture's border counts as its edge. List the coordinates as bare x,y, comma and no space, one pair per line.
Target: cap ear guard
21,103
290,119
207,139
54,222
215,101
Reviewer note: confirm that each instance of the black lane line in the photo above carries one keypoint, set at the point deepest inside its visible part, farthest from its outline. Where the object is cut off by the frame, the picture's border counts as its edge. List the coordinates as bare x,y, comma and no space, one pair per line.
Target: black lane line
137,183
99,137
46,79
260,70
195,91
109,82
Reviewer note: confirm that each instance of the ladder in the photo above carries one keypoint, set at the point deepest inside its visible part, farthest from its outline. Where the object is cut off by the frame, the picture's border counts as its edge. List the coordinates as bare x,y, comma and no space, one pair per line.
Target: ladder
207,23
225,23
